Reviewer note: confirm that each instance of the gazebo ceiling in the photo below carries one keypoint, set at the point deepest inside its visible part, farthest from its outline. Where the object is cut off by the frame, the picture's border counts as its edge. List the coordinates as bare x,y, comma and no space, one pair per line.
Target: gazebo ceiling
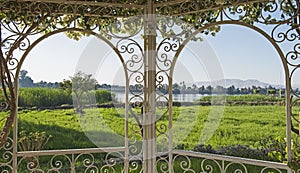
116,8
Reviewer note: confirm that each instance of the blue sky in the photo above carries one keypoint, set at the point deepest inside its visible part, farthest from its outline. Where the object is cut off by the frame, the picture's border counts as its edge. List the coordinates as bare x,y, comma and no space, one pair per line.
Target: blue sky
242,53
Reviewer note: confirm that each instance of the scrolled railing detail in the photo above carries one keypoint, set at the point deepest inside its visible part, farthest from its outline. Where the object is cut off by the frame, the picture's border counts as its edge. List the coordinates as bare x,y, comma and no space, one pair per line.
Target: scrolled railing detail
211,163
237,167
268,169
184,163
6,156
162,165
73,161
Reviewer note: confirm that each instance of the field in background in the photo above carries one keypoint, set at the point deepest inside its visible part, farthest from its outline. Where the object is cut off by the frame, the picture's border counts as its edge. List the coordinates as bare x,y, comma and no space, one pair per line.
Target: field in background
239,125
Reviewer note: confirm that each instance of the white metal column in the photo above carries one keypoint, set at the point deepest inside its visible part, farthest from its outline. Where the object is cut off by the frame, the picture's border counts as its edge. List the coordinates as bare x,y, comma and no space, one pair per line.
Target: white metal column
149,136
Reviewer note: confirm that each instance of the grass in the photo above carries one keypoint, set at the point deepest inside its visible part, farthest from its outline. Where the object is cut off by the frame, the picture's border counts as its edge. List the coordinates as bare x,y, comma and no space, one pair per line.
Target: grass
238,125
68,130
103,127
247,98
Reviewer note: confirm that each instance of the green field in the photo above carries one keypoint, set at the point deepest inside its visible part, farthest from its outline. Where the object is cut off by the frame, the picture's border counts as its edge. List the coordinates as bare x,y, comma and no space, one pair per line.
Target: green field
247,98
239,125
104,127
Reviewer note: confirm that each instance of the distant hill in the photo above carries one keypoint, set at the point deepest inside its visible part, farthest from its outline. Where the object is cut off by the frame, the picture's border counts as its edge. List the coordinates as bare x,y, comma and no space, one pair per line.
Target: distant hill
238,83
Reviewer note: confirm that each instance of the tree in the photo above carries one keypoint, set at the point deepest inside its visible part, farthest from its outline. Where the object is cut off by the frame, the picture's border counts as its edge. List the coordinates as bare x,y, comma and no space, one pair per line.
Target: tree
193,89
201,90
231,89
219,89
44,84
209,89
24,80
81,83
66,85
175,88
183,87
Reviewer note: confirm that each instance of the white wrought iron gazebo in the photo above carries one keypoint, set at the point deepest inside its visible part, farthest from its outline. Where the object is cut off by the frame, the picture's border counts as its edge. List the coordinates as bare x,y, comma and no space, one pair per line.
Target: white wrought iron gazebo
26,23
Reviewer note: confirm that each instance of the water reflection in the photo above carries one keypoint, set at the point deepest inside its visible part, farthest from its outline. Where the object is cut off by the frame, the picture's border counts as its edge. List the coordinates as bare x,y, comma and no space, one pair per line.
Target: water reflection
120,97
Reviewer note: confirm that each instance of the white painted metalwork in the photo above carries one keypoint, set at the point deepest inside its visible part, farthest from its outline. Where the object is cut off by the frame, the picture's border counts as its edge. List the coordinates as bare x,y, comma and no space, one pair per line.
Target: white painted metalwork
148,64
223,163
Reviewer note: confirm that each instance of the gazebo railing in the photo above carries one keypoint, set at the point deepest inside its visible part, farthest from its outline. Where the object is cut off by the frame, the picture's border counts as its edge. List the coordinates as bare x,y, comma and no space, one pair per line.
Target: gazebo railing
111,159
107,159
189,161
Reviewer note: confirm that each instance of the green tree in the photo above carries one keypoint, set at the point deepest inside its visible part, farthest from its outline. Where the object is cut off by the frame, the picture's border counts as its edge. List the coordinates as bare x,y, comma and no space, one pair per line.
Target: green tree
231,89
24,80
183,87
81,83
176,88
201,90
209,89
66,85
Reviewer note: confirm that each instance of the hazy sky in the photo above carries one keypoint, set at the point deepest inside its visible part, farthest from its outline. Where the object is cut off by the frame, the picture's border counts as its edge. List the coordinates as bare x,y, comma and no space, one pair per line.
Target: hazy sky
241,53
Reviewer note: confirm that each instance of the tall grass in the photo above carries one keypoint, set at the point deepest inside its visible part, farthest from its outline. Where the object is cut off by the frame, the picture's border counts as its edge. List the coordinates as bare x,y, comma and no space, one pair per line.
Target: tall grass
48,97
43,97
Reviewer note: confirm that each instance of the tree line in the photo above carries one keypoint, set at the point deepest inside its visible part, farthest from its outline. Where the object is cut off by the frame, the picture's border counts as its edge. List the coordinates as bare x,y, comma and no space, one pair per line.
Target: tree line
181,88
204,90
231,90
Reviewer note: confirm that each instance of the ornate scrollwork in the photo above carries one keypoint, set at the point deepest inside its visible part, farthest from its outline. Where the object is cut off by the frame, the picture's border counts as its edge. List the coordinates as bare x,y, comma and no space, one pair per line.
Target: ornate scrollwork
56,164
106,8
293,56
88,162
165,53
33,164
162,164
3,105
84,162
111,162
135,138
295,100
187,7
125,28
6,156
185,164
131,48
236,167
211,165
267,170
279,34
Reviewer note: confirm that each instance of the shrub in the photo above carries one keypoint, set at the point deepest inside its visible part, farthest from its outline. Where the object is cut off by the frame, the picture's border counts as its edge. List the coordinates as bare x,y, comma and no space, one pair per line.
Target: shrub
205,149
104,96
32,141
243,151
277,148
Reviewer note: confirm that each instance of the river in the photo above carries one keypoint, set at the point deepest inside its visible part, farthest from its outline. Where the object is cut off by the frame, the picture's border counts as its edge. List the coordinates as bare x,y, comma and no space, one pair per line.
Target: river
176,97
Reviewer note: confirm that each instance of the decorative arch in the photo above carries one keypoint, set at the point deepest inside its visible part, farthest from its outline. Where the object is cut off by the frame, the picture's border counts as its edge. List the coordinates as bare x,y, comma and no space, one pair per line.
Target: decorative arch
270,40
43,37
